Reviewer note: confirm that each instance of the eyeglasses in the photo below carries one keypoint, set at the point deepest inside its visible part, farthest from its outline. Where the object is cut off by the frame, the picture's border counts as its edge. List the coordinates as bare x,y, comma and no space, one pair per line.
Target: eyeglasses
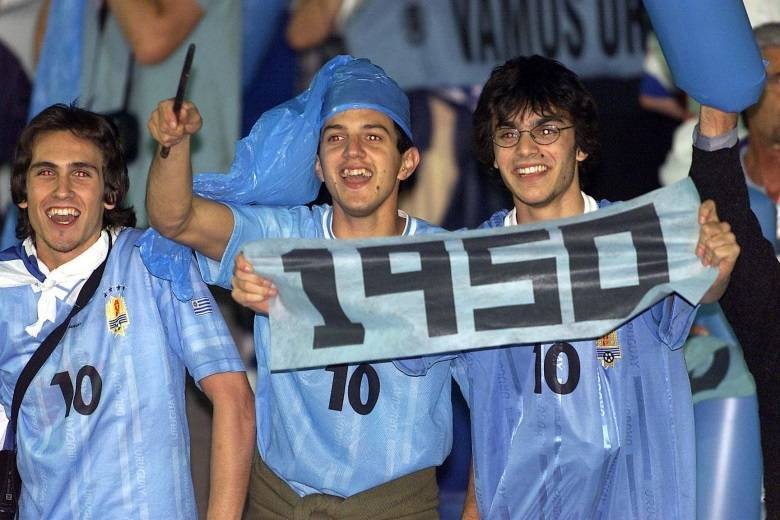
545,133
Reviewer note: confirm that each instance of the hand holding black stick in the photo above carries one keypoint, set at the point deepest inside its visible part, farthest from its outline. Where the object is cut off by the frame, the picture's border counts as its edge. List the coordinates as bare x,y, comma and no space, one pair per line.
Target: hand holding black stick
179,99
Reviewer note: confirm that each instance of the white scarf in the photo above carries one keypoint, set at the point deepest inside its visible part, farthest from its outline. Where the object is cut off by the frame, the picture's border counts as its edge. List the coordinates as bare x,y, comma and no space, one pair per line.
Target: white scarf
64,282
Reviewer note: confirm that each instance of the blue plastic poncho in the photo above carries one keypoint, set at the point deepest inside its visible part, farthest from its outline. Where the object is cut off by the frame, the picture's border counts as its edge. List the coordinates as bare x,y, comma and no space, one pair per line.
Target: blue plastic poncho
274,164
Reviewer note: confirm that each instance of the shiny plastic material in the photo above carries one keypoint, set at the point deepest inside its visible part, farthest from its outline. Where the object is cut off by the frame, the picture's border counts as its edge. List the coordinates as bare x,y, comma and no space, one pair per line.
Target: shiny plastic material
274,164
361,84
728,459
710,49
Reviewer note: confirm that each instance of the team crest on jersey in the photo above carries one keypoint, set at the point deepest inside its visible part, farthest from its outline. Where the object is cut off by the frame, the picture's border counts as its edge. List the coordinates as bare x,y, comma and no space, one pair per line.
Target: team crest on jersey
117,317
608,349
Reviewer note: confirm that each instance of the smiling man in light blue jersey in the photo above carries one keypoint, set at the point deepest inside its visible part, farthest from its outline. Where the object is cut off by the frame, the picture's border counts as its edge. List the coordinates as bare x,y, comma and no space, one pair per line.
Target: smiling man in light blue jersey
366,433
595,428
102,431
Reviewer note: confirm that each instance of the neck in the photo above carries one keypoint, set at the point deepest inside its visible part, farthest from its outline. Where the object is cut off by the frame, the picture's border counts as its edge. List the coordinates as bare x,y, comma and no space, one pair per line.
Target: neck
53,259
374,225
569,205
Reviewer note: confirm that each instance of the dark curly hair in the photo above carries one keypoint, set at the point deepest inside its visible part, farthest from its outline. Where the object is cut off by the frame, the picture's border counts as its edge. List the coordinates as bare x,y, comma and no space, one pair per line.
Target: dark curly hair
85,125
542,86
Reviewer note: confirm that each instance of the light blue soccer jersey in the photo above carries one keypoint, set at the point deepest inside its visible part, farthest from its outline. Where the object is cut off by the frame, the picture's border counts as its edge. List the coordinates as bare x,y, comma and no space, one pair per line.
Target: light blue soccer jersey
339,429
596,429
102,430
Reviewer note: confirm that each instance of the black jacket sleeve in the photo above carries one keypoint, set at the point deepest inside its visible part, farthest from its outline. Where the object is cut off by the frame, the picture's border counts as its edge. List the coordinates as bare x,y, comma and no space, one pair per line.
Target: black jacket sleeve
752,301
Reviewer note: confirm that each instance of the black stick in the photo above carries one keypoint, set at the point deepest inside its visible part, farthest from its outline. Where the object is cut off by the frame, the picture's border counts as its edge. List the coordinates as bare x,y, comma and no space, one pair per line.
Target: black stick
179,99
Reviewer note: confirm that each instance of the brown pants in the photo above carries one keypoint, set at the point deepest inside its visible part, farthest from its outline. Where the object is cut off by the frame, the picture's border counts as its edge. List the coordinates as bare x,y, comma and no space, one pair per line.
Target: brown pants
413,497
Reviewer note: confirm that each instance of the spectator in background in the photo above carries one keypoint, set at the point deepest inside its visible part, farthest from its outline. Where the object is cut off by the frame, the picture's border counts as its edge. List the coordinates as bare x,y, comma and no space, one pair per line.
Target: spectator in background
761,155
138,47
752,301
268,63
315,31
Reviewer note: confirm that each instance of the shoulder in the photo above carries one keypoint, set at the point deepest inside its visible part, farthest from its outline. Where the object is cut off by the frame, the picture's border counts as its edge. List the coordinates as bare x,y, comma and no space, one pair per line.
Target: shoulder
125,251
423,227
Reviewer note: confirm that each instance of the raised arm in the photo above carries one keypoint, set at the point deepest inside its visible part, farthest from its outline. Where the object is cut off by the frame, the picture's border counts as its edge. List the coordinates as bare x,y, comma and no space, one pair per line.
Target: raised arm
751,300
201,224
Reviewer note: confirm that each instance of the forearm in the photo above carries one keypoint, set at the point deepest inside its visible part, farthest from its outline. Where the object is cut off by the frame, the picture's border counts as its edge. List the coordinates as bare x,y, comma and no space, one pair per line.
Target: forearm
750,301
169,197
232,447
714,122
154,29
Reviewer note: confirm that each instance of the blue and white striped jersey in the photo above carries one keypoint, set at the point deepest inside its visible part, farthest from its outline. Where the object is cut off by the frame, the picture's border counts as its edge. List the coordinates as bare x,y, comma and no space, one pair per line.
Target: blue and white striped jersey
339,429
102,431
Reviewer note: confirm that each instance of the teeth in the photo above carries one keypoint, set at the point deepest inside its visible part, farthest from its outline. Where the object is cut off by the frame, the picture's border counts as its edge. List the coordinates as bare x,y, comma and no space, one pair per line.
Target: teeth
63,212
355,172
532,169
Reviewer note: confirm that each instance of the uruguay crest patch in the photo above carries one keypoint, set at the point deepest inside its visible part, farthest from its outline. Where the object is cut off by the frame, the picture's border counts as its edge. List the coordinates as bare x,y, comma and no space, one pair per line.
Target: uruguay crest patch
117,318
608,349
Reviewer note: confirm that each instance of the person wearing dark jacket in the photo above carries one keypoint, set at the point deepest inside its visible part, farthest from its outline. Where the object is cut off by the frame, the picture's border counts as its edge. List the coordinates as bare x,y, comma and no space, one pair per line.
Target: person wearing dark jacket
751,302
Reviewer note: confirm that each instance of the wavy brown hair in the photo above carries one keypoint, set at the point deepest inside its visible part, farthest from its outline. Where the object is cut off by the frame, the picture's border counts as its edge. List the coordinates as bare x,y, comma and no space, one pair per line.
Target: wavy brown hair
85,125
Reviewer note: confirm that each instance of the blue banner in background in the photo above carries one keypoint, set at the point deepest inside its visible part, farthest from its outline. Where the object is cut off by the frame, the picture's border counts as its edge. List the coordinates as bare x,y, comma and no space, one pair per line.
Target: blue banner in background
440,43
343,301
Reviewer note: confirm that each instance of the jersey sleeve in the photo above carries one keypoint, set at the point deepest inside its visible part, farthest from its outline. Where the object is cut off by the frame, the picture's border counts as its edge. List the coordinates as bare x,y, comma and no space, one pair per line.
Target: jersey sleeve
195,328
670,320
254,223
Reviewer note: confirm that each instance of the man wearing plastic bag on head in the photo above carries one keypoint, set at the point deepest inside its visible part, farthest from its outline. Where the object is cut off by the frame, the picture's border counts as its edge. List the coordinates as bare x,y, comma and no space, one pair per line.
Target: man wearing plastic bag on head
357,441
598,428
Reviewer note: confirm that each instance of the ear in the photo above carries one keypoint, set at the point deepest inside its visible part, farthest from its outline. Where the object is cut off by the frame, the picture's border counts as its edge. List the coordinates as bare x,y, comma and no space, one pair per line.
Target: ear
23,204
318,169
581,156
409,161
110,202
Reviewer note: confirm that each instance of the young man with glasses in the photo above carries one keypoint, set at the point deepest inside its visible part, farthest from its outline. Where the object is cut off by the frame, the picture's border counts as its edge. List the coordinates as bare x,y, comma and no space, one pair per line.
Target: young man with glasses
598,428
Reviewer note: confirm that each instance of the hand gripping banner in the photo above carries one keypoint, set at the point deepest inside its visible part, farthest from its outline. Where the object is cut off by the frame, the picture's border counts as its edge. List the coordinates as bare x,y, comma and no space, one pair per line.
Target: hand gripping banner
345,301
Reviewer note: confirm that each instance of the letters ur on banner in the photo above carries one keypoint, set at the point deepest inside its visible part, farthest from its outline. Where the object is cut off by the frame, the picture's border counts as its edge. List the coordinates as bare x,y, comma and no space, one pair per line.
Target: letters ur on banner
347,301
